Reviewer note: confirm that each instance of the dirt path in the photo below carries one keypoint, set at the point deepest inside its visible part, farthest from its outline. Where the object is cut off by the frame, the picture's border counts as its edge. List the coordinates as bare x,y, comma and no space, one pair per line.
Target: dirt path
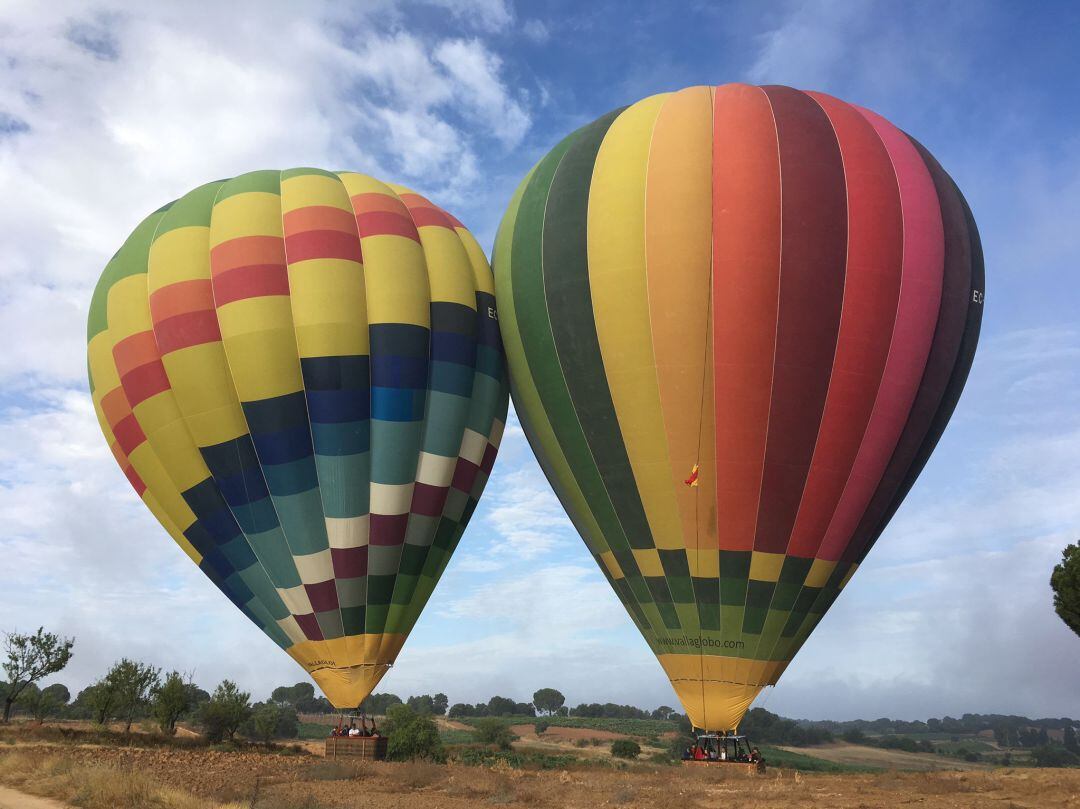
13,799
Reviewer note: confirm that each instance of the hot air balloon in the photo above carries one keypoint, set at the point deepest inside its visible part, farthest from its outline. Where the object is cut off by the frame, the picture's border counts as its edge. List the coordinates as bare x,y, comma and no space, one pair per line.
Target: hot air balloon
300,373
737,320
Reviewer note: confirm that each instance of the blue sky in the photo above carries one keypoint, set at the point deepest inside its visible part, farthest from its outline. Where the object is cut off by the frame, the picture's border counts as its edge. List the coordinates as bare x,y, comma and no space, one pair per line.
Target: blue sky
109,109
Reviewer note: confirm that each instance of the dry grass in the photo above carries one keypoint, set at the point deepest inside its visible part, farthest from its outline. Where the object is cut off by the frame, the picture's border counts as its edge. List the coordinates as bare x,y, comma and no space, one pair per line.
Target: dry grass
92,786
418,774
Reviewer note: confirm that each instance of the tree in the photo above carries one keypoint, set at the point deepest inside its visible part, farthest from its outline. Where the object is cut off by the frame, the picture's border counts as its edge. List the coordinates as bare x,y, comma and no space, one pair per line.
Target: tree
413,736
548,700
379,704
541,727
100,698
133,682
854,736
226,711
422,704
501,706
43,702
30,658
439,703
1065,582
171,700
1070,739
625,748
663,712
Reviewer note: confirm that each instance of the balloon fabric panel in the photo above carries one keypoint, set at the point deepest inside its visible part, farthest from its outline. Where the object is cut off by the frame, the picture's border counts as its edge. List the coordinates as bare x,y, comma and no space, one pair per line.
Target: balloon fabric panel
301,375
771,291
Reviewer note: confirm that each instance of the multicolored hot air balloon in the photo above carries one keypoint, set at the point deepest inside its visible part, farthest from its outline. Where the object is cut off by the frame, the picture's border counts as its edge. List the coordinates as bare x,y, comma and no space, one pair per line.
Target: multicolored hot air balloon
737,320
300,373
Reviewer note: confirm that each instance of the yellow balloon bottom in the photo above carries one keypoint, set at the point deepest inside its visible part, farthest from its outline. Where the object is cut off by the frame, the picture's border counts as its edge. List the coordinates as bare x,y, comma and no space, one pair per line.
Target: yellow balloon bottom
717,691
348,669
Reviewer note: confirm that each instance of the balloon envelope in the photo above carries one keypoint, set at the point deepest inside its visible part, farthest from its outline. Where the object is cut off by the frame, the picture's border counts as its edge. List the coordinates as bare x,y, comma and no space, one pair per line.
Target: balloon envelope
300,373
737,320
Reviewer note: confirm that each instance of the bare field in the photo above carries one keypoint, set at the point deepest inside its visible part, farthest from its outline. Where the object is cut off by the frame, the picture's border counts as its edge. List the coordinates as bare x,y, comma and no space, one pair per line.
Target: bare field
859,755
107,777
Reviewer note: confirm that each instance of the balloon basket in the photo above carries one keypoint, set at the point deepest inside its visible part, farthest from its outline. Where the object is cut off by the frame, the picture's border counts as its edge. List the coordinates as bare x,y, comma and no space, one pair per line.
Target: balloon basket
365,748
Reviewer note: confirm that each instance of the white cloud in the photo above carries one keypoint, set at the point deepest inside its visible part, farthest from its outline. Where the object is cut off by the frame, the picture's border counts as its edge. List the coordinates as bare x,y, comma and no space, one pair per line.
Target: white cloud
536,30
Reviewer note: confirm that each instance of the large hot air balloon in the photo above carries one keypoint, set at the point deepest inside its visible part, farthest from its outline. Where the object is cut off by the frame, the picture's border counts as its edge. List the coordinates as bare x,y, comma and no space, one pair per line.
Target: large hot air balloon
737,320
300,373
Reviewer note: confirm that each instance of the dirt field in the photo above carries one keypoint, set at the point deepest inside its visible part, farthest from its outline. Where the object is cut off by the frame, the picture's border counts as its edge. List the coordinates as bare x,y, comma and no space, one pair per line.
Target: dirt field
308,782
861,756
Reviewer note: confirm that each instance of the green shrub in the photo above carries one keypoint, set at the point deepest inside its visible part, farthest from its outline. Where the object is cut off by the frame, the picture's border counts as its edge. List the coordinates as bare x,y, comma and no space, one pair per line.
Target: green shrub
1053,756
541,727
413,736
625,748
490,730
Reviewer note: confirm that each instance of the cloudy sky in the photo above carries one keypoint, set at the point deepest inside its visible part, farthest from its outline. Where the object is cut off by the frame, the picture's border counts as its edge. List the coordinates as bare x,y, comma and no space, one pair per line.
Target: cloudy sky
109,109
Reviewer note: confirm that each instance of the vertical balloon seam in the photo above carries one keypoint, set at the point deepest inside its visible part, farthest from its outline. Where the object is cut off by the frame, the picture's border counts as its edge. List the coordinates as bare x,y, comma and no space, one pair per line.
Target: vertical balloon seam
212,476
777,652
281,179
601,508
614,182
775,640
431,565
772,377
732,106
534,421
207,559
413,582
195,501
253,606
318,643
812,288
913,179
942,359
958,378
576,357
845,568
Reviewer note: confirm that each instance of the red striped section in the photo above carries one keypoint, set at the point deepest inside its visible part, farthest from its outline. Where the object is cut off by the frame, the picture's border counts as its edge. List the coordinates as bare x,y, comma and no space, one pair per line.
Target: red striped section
386,223
424,213
812,269
948,334
350,563
183,331
144,382
181,297
129,435
309,625
323,595
252,281
311,244
128,470
428,500
318,217
746,276
871,292
464,475
920,298
246,251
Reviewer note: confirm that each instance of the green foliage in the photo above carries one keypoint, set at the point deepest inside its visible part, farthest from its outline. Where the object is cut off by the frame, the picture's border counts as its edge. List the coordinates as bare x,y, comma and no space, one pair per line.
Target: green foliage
132,683
270,721
432,705
486,757
379,704
413,736
30,658
44,702
300,698
225,712
854,736
1049,755
763,726
1065,582
541,727
1071,743
170,700
548,700
625,748
490,730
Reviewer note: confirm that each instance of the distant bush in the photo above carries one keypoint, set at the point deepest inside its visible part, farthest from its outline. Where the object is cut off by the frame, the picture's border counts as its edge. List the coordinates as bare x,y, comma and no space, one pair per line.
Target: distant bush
854,736
490,730
625,748
541,727
1049,755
